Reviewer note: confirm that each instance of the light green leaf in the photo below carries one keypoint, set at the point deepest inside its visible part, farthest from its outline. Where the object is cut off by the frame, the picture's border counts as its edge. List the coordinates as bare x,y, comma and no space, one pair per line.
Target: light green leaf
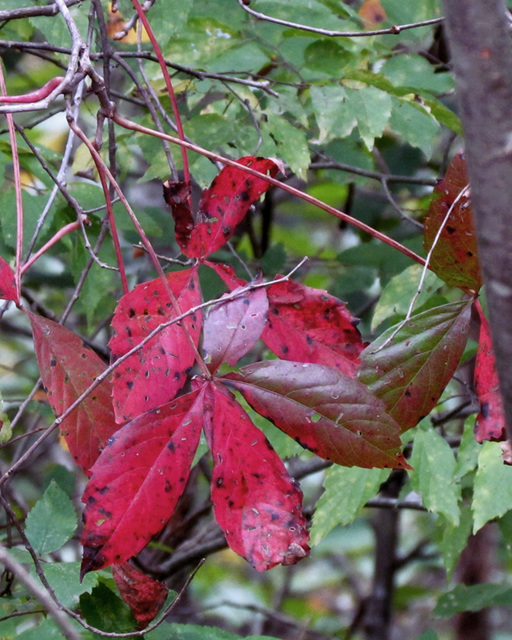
467,455
372,109
472,598
414,124
398,293
5,424
346,491
178,631
454,538
64,578
415,72
327,56
333,117
292,146
52,521
434,464
492,493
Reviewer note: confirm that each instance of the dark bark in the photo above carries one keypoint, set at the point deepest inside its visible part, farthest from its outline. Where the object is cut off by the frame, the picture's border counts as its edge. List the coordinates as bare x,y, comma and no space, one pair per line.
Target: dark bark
480,45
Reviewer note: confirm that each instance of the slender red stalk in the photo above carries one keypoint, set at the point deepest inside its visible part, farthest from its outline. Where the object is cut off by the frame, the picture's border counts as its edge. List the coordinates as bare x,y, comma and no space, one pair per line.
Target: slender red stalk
170,90
17,187
60,234
129,124
34,96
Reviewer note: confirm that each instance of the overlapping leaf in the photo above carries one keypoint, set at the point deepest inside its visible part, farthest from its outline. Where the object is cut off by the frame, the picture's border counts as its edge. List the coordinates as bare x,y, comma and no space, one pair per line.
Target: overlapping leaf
68,367
144,595
325,411
7,283
255,501
232,328
455,258
137,481
410,371
153,375
310,325
490,422
222,207
227,274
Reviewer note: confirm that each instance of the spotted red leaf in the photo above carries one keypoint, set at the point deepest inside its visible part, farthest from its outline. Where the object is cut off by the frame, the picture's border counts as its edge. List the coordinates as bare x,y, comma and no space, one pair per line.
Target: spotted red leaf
490,422
455,257
256,503
232,328
153,375
325,411
7,283
224,205
144,595
68,367
310,325
410,371
137,481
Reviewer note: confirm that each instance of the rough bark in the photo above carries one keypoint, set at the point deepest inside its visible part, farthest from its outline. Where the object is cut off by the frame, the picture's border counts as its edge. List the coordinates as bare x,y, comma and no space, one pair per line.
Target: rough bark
480,43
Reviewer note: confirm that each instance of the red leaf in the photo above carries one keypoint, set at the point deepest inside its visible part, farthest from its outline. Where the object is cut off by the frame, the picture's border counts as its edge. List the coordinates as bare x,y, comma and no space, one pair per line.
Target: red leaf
142,594
154,375
310,325
455,257
227,274
177,195
325,411
490,422
7,283
68,367
224,205
232,328
138,480
255,501
410,372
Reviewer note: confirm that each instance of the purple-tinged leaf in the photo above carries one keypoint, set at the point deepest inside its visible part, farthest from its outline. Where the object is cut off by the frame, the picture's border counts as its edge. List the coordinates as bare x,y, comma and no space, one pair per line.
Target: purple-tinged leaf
154,375
410,371
137,481
232,328
144,595
325,411
256,503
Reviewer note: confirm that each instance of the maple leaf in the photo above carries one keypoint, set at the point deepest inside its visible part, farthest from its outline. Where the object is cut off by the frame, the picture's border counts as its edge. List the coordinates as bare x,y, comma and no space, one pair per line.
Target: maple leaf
68,367
137,481
410,371
144,595
222,207
256,503
325,411
455,256
310,325
490,422
153,375
7,283
232,328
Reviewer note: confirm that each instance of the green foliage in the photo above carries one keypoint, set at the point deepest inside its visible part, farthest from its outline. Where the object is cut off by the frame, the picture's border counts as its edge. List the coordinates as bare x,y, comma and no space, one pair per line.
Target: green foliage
492,495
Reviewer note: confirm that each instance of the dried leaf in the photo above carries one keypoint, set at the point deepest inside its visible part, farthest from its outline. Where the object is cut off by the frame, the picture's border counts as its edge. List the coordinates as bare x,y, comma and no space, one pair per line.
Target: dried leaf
224,205
7,283
455,257
68,367
256,503
137,481
144,595
153,375
310,325
410,372
232,328
177,195
372,13
490,422
325,411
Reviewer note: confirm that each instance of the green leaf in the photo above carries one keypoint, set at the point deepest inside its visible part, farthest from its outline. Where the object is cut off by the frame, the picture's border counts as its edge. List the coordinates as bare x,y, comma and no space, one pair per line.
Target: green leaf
416,73
433,465
346,491
52,521
332,116
414,124
454,538
64,578
492,493
372,109
177,631
409,369
5,424
328,57
467,455
103,609
472,598
292,146
398,293
429,635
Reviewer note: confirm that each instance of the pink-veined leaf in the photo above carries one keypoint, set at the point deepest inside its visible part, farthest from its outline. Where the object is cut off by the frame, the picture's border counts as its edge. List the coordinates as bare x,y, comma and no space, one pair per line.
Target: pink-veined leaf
232,328
455,257
144,595
7,283
137,481
227,274
68,367
224,205
310,325
256,503
490,422
410,371
324,410
153,375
